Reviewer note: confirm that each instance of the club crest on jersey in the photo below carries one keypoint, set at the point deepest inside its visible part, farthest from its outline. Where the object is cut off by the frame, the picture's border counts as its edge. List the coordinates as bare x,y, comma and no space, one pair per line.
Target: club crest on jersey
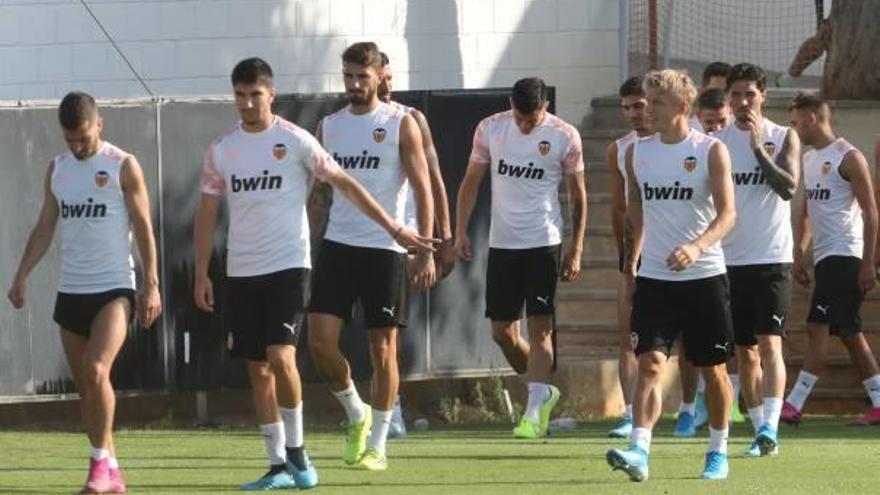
279,151
379,134
544,148
770,148
690,163
101,178
826,168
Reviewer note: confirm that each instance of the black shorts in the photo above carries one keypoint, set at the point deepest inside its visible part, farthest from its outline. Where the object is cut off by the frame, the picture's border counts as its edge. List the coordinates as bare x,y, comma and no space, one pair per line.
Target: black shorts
76,312
517,276
344,274
837,297
265,310
699,310
760,297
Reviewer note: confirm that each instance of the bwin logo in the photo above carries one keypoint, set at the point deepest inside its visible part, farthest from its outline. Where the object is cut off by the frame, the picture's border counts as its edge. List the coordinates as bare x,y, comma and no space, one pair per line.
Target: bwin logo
676,192
259,183
818,193
754,178
362,161
89,209
526,172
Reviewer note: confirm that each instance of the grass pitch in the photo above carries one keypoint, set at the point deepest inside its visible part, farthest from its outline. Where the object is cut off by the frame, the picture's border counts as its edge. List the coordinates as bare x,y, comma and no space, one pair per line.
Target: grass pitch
823,456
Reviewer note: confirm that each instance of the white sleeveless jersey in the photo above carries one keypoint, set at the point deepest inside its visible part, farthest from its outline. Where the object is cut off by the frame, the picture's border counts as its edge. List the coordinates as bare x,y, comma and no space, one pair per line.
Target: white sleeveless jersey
835,215
526,170
367,146
763,233
622,144
95,232
410,215
265,178
676,204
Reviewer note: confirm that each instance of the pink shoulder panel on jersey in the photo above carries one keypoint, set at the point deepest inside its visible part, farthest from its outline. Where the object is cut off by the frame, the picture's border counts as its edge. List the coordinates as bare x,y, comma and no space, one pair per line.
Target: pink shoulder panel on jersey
573,159
318,160
212,181
482,136
842,146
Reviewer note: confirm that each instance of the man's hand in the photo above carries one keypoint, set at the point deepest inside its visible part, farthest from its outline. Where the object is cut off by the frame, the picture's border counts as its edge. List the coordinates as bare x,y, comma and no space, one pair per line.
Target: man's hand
463,248
203,293
571,266
444,258
422,269
682,257
801,271
149,305
412,241
16,293
867,276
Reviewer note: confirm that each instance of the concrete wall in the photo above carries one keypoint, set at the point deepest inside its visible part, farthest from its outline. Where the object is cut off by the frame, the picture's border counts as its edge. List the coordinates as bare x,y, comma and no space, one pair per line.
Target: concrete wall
188,47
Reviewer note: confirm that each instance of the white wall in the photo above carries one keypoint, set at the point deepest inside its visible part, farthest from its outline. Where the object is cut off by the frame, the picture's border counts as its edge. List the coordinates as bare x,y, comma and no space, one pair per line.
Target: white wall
188,47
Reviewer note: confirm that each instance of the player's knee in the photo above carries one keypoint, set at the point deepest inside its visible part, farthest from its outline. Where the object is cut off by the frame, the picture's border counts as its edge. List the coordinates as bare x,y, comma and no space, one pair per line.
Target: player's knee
319,345
505,336
96,372
282,363
748,356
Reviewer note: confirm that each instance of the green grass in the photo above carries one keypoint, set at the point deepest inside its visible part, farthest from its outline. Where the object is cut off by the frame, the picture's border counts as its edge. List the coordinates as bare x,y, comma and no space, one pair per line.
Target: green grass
821,457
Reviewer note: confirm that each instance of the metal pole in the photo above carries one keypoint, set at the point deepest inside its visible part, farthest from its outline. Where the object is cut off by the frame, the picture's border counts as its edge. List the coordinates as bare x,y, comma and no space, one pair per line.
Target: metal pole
652,35
623,41
166,350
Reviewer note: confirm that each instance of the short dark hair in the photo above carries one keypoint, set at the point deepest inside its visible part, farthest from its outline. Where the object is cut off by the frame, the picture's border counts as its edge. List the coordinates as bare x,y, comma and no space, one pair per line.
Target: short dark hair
529,94
632,87
384,57
808,101
76,108
715,69
712,99
747,72
251,71
365,53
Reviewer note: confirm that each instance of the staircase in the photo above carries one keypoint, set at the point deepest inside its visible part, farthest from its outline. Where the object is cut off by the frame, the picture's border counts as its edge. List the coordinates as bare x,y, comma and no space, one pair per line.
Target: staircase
587,337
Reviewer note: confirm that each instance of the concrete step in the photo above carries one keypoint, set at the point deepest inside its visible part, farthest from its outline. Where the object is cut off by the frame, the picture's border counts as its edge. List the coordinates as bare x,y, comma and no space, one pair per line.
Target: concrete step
596,141
606,113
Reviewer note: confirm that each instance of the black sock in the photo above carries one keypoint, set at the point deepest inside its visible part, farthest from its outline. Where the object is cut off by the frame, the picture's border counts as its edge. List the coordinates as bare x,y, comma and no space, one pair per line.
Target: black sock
297,455
276,468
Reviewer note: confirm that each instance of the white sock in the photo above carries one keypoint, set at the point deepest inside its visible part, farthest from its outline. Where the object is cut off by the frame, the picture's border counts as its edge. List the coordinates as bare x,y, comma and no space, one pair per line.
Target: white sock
379,430
872,386
538,393
629,411
293,426
701,385
113,463
351,401
273,437
802,388
98,454
772,411
397,411
734,382
717,440
688,407
757,416
641,437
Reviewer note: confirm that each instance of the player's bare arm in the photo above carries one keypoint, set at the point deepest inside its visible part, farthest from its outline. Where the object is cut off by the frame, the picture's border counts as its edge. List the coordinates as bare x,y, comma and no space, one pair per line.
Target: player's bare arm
467,197
802,239
854,168
618,196
203,233
634,226
721,184
39,241
149,305
577,197
412,157
442,227
782,175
